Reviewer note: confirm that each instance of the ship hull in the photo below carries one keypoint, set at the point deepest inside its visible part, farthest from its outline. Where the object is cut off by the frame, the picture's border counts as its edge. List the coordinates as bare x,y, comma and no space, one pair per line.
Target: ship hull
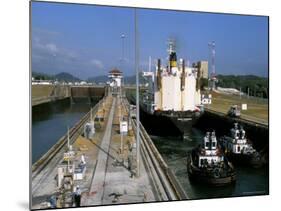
215,176
253,160
200,177
158,125
169,123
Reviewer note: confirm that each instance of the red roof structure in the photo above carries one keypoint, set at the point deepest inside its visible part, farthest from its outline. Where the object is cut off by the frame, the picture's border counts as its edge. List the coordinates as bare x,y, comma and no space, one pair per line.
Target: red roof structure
115,71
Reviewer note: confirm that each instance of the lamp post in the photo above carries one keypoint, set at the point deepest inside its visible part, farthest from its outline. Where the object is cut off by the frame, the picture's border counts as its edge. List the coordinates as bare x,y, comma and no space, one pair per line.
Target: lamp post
122,37
123,49
137,91
121,97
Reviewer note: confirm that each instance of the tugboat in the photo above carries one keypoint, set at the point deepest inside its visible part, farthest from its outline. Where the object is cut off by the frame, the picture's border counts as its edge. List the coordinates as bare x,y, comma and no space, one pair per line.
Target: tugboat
239,149
207,164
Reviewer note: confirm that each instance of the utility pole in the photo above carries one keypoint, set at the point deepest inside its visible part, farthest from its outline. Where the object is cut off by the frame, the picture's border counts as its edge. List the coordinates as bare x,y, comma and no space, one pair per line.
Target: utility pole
149,64
213,72
123,59
137,92
123,37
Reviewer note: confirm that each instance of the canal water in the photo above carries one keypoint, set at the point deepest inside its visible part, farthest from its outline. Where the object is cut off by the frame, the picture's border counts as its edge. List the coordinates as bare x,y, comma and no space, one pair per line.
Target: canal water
50,122
250,181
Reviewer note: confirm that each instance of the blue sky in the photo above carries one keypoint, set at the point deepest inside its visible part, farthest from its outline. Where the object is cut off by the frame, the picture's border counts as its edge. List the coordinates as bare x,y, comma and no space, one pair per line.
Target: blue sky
85,40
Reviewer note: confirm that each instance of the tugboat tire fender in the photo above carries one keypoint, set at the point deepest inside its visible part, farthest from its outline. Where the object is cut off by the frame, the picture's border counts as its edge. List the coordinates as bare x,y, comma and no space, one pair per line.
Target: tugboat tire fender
216,173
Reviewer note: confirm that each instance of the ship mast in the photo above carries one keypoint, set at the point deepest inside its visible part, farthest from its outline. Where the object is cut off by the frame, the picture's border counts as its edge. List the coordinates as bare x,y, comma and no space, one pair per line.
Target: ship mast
172,62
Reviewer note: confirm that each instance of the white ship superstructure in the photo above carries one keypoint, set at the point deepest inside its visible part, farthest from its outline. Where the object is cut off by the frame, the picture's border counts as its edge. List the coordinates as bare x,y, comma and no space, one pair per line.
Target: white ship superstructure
177,90
175,87
173,94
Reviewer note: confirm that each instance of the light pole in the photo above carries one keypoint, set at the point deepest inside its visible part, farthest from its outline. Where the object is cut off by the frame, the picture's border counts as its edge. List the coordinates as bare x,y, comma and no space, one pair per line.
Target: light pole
123,49
122,37
137,92
120,96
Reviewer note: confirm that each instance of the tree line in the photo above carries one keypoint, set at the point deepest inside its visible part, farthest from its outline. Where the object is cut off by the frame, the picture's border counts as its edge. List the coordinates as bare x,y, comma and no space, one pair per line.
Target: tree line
249,84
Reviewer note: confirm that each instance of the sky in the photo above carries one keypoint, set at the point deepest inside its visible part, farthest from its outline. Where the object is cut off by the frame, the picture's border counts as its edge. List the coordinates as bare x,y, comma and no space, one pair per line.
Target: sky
85,40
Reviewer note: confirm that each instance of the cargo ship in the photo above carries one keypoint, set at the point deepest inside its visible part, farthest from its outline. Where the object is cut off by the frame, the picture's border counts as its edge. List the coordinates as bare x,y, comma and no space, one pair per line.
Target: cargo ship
171,102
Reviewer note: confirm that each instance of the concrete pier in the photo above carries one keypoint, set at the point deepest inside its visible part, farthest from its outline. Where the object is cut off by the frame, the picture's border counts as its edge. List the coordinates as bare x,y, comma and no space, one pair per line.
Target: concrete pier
100,172
110,176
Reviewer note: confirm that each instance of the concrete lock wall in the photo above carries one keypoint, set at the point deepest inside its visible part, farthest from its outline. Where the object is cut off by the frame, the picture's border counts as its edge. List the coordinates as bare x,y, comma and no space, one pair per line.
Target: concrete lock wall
81,91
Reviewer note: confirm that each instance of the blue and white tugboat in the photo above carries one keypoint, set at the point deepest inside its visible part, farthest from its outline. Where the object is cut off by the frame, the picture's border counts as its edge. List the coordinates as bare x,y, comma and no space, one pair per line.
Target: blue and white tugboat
239,149
207,163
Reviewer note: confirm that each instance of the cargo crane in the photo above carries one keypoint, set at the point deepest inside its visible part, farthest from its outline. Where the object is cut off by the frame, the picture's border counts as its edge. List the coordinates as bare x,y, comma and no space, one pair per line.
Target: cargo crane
212,78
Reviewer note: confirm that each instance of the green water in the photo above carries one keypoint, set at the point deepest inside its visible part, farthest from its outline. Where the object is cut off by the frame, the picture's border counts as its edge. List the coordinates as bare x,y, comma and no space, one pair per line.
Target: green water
50,124
250,181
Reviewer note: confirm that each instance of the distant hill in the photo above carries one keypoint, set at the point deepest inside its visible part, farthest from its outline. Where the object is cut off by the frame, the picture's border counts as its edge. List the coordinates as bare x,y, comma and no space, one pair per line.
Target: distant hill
63,76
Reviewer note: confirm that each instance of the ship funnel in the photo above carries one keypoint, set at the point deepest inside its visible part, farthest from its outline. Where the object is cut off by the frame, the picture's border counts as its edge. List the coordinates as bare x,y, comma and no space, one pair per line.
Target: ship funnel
173,59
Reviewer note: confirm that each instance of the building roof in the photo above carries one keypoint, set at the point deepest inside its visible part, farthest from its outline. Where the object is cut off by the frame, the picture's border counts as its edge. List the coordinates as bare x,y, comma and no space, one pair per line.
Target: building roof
115,72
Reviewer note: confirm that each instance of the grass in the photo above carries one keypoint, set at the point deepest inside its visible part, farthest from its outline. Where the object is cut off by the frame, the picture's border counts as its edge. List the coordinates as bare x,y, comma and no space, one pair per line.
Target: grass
257,109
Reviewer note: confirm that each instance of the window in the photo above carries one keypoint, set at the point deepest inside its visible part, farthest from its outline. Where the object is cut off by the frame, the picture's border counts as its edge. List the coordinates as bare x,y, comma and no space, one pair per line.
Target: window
201,162
207,144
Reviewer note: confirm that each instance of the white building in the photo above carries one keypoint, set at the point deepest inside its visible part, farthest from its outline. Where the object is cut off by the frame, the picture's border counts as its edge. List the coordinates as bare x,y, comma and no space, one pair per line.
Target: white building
83,83
115,77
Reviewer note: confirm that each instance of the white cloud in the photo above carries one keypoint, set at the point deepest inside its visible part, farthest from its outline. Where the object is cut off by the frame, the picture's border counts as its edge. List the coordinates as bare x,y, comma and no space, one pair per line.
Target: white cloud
97,63
51,47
